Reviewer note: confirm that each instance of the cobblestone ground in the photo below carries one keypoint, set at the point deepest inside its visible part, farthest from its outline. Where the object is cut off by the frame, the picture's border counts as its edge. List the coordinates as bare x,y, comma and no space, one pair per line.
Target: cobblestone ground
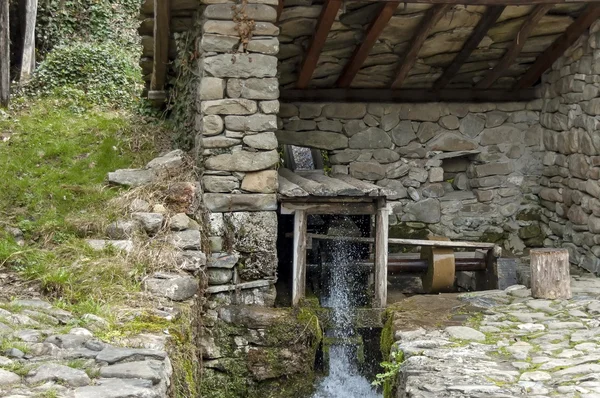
517,347
45,352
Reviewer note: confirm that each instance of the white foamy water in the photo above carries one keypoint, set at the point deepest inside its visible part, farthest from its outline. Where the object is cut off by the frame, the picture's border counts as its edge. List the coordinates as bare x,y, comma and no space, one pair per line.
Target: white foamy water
344,379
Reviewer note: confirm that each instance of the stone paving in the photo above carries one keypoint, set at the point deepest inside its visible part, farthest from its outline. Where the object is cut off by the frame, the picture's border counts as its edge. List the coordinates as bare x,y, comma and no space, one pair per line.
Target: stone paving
518,346
45,352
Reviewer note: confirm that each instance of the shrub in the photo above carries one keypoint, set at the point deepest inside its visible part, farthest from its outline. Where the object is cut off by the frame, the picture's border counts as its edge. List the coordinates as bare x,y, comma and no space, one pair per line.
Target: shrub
95,73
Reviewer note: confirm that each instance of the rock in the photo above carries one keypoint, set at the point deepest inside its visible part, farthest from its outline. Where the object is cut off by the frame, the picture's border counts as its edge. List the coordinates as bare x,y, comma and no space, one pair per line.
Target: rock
217,202
257,12
211,125
427,131
241,65
465,333
253,317
220,183
122,229
243,161
265,141
491,169
500,135
151,222
372,138
139,205
436,174
61,373
313,139
211,88
219,260
449,122
261,181
101,244
14,353
264,46
7,378
389,121
262,89
28,335
256,122
229,106
172,286
367,171
471,125
218,276
385,156
67,341
403,133
181,222
191,260
427,211
117,388
131,177
535,376
4,361
397,170
148,370
112,355
450,142
495,119
219,142
186,240
170,162
32,303
345,111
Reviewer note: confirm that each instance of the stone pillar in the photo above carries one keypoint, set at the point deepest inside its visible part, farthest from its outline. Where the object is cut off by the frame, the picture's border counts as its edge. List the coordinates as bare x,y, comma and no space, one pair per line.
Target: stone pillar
236,143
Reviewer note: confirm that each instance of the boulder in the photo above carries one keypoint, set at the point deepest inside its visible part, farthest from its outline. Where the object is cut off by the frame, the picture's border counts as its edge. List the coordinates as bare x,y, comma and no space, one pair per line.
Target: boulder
172,286
450,142
426,211
313,139
131,177
372,138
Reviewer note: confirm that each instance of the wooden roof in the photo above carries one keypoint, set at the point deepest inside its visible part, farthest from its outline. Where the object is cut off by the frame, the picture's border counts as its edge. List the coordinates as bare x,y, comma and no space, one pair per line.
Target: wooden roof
478,48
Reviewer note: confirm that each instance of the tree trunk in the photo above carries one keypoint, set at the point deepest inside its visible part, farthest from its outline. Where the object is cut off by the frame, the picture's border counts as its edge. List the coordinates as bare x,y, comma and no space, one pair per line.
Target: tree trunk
550,276
4,54
28,59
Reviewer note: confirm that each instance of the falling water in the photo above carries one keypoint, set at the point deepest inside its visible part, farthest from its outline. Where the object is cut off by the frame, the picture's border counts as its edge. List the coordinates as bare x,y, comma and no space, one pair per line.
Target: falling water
344,379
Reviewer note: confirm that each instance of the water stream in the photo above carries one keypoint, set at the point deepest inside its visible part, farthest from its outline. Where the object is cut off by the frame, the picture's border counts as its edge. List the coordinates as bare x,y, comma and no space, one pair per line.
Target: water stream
344,379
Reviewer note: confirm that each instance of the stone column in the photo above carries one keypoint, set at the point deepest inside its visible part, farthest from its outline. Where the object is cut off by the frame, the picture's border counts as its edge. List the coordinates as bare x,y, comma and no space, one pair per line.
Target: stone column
236,120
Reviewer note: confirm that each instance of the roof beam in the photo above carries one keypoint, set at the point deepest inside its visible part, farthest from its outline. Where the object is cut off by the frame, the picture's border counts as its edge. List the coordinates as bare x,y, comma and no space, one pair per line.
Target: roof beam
485,23
407,95
491,2
560,45
362,51
515,48
279,10
433,15
328,14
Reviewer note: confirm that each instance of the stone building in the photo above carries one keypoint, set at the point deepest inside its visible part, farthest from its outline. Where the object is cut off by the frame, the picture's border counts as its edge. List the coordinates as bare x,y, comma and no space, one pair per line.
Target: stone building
480,119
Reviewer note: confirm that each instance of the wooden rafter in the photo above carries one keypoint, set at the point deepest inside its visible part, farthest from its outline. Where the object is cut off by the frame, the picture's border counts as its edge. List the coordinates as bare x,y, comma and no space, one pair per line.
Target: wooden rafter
407,95
433,15
161,45
485,23
362,51
490,2
328,14
560,45
515,48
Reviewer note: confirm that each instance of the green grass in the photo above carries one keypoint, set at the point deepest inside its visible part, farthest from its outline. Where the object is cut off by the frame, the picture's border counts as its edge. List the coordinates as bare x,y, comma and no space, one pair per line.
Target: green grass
53,174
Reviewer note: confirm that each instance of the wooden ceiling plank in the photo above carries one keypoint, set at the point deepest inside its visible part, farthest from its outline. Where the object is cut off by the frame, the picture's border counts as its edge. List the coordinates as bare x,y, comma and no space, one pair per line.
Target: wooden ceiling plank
407,95
489,2
515,48
485,23
433,15
560,45
328,14
362,51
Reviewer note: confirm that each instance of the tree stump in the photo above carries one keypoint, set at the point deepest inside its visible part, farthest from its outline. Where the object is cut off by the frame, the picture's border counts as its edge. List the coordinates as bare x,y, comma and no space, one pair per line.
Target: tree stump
550,276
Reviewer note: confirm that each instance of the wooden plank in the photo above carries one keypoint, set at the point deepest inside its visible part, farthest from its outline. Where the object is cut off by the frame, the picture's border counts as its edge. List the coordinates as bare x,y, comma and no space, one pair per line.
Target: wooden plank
239,286
407,96
279,10
381,254
317,158
489,2
560,45
411,242
328,14
4,54
515,48
362,51
550,274
329,208
485,23
431,17
339,187
366,188
310,186
299,265
28,58
161,44
289,189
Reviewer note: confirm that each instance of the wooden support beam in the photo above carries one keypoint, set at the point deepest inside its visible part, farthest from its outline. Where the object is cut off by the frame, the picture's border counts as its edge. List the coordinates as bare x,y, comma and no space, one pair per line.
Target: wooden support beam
362,51
489,2
550,274
485,23
560,45
515,48
328,14
381,254
279,10
406,96
161,44
431,17
299,265
4,54
28,58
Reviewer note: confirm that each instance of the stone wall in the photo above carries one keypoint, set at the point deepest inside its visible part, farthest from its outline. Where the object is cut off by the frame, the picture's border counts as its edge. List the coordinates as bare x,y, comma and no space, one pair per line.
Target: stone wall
570,186
465,171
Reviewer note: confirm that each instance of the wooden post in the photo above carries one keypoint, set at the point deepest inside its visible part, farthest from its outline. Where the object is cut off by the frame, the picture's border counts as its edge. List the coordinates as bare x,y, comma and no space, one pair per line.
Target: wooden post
28,59
4,54
381,254
161,44
550,276
299,282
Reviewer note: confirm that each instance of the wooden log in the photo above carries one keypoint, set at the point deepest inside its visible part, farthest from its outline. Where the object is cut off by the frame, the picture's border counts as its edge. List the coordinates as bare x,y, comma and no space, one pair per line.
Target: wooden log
381,254
4,54
289,189
550,275
28,58
161,44
310,186
441,269
299,262
340,188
